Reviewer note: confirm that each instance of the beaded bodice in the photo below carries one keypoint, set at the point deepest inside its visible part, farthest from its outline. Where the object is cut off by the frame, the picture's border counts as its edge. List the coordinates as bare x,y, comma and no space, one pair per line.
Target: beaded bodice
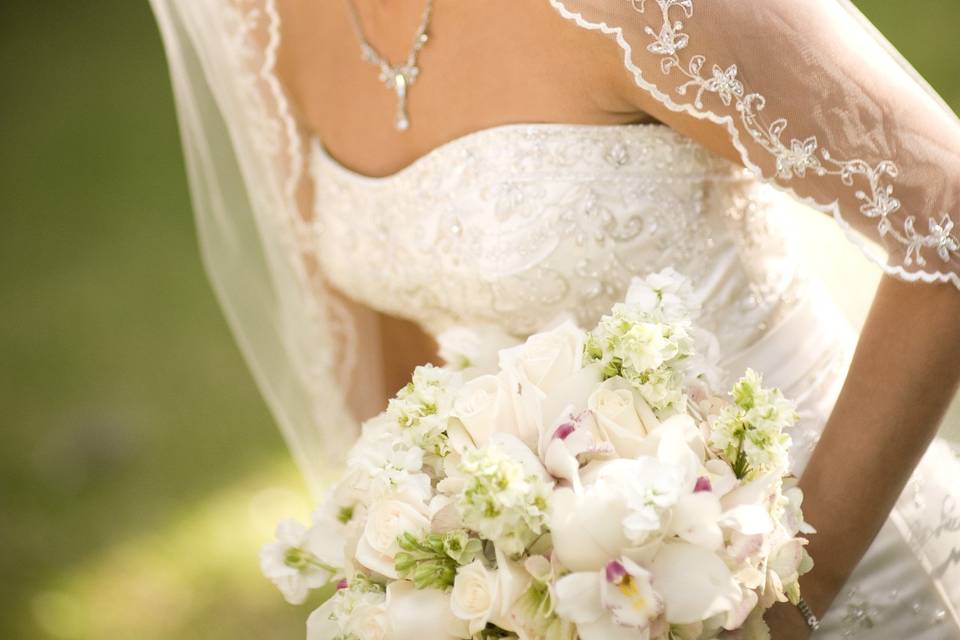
516,224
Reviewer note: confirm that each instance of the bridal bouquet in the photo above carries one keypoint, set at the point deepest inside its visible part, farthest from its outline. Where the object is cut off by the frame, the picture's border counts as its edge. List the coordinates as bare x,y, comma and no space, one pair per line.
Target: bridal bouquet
582,484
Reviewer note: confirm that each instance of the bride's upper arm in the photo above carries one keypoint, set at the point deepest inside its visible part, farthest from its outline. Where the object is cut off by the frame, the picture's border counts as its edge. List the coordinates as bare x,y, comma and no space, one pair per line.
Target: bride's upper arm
814,100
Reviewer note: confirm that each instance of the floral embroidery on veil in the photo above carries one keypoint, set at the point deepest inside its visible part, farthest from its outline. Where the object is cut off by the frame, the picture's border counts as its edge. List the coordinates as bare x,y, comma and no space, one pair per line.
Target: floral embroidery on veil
795,158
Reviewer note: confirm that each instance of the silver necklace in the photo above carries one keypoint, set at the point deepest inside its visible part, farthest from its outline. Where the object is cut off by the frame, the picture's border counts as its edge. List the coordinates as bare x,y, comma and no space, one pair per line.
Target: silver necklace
397,77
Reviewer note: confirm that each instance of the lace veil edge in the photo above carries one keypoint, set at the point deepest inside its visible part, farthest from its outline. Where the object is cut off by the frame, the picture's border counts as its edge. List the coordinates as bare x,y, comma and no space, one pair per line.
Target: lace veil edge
245,166
822,75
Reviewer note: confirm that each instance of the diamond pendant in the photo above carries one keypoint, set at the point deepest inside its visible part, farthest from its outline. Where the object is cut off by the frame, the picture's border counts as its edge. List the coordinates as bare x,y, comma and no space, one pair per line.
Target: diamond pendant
401,121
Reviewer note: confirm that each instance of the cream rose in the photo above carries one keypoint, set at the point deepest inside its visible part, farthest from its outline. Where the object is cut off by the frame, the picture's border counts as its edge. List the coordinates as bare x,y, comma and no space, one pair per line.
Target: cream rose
547,358
537,367
616,409
368,622
485,407
386,520
421,614
475,595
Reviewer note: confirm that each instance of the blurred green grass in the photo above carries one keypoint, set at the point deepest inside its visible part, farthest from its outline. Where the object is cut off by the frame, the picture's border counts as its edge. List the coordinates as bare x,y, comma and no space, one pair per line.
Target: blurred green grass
139,468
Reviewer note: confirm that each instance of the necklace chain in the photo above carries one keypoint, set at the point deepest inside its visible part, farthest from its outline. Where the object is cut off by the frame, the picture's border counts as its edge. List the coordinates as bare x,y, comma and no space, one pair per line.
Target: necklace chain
397,77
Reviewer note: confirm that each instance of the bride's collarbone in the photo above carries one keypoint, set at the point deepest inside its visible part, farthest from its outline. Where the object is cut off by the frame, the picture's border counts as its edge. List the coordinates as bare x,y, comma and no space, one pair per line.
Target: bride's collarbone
479,70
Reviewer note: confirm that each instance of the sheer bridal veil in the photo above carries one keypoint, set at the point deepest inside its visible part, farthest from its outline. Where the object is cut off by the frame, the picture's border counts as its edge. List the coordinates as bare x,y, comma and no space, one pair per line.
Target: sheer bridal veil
815,100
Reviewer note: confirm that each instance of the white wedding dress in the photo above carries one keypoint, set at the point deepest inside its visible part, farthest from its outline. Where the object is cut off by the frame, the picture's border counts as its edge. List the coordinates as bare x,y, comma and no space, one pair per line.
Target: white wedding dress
509,226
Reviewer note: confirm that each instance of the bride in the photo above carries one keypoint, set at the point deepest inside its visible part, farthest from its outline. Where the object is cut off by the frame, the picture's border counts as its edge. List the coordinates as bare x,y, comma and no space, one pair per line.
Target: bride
368,174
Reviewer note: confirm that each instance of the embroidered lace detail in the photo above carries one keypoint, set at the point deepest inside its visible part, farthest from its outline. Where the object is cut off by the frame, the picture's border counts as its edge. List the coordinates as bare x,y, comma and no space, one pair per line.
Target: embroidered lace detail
517,224
797,156
252,31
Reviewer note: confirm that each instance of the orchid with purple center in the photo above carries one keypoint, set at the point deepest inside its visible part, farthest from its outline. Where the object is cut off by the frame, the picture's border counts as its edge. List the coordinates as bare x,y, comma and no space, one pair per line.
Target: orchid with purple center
574,443
703,484
564,430
616,602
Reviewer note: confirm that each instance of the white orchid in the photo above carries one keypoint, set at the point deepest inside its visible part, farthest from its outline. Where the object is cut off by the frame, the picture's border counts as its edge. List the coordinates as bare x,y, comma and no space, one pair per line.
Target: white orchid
618,602
302,559
574,442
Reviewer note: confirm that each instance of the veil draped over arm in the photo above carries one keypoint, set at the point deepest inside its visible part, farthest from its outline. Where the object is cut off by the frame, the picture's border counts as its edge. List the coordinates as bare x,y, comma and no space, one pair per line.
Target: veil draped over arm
251,196
817,102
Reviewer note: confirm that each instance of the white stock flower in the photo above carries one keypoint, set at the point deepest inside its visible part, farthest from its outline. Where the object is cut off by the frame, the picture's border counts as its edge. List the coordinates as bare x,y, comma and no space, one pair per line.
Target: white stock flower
647,349
665,291
386,520
302,559
749,433
505,494
357,612
422,407
791,512
391,465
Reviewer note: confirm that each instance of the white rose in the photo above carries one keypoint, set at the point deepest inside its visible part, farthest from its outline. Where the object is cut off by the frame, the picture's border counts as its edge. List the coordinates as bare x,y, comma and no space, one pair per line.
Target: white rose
546,358
421,614
484,406
368,622
475,595
537,367
615,406
386,520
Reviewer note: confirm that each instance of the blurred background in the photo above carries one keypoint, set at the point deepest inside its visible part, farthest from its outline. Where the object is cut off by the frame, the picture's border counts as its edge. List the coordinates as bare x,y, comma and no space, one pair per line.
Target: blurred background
139,468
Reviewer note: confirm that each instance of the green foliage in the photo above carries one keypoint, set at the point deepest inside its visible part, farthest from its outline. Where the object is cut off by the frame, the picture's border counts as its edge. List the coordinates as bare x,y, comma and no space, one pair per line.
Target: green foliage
430,561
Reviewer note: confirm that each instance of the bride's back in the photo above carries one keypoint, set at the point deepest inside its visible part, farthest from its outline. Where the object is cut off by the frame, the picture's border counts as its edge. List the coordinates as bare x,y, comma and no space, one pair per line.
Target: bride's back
485,64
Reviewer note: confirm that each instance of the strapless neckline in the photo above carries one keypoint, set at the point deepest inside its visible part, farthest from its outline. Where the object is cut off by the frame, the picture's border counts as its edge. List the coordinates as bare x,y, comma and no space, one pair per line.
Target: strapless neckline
454,144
